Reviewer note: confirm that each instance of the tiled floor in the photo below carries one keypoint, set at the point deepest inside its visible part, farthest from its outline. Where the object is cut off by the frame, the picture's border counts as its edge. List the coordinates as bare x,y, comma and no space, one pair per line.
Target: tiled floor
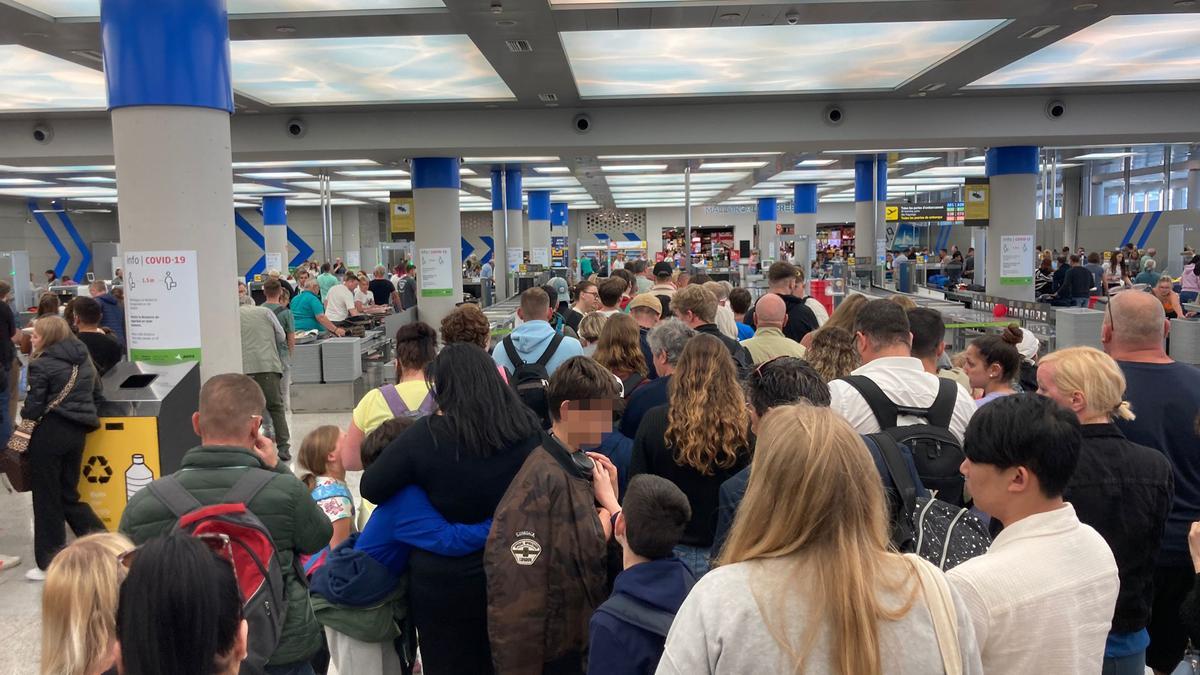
20,600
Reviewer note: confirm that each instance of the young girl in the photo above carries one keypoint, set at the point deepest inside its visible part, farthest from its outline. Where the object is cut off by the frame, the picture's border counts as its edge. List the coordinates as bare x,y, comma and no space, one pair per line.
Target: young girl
325,476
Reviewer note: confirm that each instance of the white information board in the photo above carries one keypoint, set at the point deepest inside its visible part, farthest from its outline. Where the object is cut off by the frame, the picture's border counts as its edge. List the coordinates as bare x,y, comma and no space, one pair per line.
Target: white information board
539,255
436,268
162,306
275,262
354,259
1016,259
515,257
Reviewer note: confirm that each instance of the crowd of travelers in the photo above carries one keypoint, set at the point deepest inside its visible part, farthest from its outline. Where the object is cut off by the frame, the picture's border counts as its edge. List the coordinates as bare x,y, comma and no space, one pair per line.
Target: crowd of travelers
658,473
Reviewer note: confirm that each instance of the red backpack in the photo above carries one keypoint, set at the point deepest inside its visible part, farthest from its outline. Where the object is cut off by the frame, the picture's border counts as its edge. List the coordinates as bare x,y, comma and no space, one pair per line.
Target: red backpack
259,576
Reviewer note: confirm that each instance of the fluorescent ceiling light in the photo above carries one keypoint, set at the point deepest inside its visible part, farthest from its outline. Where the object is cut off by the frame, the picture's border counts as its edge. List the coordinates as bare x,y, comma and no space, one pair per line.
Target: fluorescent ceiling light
815,162
677,179
552,169
276,175
474,208
617,168
32,80
24,181
888,151
507,160
923,187
907,180
368,193
762,59
803,176
53,192
835,199
59,169
528,182
332,202
720,166
374,173
109,200
917,160
1129,49
624,189
977,159
739,202
1104,155
305,164
255,188
690,156
79,9
642,196
385,69
343,185
945,171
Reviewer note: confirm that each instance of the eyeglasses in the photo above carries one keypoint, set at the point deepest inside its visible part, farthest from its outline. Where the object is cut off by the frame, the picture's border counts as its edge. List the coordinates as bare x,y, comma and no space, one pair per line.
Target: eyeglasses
220,544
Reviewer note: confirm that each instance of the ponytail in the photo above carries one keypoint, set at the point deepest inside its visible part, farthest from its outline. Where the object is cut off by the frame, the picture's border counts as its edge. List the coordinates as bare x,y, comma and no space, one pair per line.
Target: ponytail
1124,411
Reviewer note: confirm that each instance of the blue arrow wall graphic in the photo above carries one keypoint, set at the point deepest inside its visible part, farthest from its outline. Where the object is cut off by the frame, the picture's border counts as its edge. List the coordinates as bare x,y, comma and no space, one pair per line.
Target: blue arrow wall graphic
86,261
491,244
467,248
303,250
259,240
64,257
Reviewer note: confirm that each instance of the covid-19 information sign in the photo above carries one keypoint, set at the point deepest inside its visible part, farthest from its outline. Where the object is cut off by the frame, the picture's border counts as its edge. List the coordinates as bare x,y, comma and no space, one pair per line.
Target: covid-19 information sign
162,306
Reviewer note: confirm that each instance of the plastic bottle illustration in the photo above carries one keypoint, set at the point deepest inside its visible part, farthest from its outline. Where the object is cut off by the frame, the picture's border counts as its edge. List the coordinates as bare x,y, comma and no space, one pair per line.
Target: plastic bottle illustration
137,476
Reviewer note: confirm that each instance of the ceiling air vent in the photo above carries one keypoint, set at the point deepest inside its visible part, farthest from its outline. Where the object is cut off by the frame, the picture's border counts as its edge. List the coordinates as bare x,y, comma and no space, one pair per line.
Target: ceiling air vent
548,98
519,45
1037,32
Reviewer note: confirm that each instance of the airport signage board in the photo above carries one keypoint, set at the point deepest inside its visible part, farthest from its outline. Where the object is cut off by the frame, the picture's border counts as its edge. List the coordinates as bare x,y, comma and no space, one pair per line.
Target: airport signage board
401,214
162,306
977,193
915,213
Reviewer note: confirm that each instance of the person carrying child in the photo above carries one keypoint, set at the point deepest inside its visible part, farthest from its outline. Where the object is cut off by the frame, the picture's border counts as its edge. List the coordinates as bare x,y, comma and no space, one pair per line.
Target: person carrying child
628,631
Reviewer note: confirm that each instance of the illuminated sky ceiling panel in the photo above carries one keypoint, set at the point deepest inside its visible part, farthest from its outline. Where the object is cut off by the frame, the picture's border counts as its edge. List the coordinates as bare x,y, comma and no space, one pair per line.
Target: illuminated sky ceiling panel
762,59
389,69
32,80
76,9
1131,49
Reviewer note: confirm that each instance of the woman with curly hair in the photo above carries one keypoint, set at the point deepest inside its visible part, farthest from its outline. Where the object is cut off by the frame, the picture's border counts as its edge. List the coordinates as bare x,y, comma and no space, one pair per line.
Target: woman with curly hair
833,353
698,440
620,351
843,317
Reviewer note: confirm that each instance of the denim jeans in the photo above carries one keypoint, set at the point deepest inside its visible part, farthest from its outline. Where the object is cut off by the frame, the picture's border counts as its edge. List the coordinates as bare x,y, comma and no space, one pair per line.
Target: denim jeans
302,668
1187,296
695,558
1134,664
1080,302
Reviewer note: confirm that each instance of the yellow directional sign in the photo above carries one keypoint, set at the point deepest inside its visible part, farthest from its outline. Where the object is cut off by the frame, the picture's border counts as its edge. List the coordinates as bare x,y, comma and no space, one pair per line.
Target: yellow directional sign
891,213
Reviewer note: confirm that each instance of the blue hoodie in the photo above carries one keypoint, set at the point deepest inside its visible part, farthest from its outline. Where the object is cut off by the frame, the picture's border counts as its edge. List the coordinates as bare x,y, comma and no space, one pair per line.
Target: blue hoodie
531,339
112,316
617,647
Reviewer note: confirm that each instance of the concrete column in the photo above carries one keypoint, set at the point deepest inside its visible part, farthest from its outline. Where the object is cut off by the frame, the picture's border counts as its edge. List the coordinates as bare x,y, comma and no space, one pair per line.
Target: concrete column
768,221
539,225
1097,198
435,182
275,233
870,198
1193,179
804,208
1072,181
499,238
510,234
351,237
517,243
1012,172
170,101
368,225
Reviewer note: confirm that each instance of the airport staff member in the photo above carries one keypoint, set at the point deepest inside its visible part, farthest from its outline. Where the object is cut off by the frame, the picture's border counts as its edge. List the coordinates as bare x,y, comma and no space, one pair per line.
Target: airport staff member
310,313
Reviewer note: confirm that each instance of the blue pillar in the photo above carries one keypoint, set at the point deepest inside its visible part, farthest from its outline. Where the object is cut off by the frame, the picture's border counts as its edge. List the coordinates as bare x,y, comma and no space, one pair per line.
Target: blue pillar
870,197
768,221
804,210
559,234
539,228
166,67
1007,255
275,233
438,236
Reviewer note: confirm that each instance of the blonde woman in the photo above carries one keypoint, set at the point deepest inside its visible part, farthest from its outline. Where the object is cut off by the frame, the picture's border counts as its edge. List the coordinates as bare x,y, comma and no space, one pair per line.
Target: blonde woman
807,583
56,448
833,353
79,606
1122,489
843,317
620,351
698,440
590,327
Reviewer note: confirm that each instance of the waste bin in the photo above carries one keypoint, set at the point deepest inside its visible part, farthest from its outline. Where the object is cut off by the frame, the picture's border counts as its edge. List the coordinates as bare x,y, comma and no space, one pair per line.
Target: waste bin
145,429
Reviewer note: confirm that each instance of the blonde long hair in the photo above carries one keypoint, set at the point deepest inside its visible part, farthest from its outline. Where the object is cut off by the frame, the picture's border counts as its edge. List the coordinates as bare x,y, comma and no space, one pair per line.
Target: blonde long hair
79,604
1096,375
847,312
619,348
815,499
707,423
52,330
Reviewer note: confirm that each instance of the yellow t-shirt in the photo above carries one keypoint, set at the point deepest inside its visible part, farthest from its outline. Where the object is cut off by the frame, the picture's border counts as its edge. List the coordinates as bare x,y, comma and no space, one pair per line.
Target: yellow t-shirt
373,409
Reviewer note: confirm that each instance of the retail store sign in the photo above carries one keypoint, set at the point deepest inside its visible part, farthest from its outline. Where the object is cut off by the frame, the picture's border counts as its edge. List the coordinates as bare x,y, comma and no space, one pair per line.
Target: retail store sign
977,203
401,214
1016,260
436,267
162,306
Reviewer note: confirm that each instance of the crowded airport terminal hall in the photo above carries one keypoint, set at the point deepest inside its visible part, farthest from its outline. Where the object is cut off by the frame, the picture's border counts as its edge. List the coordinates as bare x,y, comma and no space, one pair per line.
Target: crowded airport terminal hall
618,337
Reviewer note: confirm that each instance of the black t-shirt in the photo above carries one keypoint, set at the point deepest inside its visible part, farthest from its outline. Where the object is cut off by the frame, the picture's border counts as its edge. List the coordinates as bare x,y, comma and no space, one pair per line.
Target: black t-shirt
382,289
572,319
8,326
106,352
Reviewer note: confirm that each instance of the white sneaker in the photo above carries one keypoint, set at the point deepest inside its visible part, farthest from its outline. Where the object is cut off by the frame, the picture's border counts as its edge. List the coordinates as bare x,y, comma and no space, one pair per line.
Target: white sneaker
9,561
34,574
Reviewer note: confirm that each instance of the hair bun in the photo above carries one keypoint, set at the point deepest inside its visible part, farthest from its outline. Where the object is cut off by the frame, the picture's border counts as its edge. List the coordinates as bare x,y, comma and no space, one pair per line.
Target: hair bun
416,331
1012,334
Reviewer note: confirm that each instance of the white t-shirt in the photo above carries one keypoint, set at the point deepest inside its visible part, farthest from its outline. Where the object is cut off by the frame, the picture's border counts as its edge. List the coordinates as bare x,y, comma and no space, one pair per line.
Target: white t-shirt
363,298
339,303
906,383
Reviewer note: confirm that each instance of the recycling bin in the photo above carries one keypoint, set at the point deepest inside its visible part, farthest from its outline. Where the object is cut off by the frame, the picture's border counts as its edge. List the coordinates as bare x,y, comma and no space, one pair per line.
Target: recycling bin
145,429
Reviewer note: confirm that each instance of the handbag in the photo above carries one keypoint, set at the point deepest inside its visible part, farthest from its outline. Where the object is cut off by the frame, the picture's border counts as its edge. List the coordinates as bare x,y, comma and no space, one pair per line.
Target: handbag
937,596
15,458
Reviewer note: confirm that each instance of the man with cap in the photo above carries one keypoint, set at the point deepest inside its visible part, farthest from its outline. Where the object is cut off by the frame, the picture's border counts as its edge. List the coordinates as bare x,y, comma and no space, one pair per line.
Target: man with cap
769,342
663,287
646,310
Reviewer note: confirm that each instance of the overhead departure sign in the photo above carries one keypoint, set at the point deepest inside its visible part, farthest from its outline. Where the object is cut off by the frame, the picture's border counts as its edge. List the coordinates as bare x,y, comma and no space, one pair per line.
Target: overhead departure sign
916,213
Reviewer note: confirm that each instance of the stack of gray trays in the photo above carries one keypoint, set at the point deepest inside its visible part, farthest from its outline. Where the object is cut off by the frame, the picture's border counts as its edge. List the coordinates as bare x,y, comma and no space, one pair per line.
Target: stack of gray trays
1077,327
1185,341
341,359
306,364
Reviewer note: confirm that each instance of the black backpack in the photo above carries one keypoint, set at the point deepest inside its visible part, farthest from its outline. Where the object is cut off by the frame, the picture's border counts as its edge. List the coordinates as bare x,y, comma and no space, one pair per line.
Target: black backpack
530,379
944,534
936,452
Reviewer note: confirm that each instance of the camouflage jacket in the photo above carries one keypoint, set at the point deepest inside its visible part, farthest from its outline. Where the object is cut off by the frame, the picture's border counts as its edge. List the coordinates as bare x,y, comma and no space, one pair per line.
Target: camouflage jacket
545,565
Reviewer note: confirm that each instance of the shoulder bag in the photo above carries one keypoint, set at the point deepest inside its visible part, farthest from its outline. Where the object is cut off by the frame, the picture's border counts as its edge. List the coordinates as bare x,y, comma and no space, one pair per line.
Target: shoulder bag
936,592
15,458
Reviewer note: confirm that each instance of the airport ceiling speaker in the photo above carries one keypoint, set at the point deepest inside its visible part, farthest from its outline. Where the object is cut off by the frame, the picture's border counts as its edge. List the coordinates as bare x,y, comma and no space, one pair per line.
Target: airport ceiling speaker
296,128
43,133
1056,109
834,115
582,123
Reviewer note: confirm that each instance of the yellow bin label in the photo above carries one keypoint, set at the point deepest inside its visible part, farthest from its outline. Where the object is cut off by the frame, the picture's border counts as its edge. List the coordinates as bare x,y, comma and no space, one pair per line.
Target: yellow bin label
119,458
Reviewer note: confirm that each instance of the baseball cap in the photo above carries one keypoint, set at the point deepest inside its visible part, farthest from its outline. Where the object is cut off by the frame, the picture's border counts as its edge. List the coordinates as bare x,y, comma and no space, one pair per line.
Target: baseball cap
645,300
662,269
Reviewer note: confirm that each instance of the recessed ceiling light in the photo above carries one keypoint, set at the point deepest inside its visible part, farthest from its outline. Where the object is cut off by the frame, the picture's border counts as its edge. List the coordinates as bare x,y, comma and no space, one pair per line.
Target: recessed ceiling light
551,169
506,160
285,29
302,164
1104,155
374,173
977,159
277,175
917,160
632,168
718,166
690,156
816,162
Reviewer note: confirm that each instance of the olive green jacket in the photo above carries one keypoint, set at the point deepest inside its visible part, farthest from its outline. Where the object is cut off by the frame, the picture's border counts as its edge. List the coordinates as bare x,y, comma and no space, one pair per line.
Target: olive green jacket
296,523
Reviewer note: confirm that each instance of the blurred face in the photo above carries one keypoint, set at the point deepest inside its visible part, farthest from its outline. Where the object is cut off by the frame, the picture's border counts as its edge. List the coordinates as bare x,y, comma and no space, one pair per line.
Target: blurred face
351,283
584,423
1163,289
977,368
36,339
590,299
241,289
